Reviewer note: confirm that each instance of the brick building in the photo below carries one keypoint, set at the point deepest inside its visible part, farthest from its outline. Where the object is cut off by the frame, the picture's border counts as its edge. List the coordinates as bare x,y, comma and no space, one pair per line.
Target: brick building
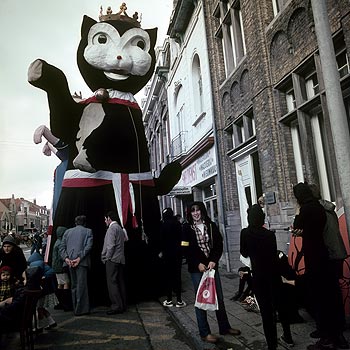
20,214
268,105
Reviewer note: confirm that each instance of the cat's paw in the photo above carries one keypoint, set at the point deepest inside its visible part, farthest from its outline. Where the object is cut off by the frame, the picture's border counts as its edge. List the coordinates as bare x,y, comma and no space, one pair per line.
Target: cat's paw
35,70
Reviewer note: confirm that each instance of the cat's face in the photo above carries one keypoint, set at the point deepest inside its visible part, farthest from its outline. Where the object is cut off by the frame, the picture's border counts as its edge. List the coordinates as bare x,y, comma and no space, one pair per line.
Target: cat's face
115,55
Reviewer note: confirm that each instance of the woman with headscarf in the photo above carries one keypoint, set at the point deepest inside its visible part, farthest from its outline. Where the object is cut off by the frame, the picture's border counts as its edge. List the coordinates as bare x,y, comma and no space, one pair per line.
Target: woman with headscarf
13,256
203,247
259,244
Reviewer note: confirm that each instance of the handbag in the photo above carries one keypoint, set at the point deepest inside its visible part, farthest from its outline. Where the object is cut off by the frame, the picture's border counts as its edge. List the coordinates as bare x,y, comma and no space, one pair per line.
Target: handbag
206,297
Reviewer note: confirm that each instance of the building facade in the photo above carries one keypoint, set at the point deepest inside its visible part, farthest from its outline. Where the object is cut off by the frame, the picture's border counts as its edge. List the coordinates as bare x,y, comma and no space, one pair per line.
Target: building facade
248,109
20,214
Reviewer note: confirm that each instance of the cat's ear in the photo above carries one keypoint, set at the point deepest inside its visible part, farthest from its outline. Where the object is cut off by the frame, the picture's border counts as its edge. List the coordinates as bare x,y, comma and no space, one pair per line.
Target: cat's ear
86,25
153,36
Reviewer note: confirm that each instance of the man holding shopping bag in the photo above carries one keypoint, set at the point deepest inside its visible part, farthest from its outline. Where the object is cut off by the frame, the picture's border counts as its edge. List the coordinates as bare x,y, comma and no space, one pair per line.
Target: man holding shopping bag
203,247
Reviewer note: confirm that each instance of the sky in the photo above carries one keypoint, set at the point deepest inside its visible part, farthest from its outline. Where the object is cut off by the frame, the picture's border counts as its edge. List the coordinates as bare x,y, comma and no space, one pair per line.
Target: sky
49,30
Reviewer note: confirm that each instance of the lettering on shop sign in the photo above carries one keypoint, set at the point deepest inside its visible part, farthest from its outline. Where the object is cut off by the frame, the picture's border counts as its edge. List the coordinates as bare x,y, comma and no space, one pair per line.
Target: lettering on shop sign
189,175
203,168
206,164
209,172
203,157
181,190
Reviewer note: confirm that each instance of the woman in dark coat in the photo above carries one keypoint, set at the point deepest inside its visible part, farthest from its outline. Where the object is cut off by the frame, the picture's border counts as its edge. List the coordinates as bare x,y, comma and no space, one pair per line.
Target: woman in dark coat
259,244
321,286
203,247
13,256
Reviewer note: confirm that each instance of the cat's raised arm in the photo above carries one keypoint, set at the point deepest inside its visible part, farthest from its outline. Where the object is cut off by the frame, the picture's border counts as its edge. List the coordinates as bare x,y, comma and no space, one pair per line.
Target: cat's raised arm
63,109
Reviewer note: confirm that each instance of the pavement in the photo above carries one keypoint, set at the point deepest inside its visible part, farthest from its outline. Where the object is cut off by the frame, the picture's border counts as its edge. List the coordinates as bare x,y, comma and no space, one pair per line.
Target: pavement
250,324
151,326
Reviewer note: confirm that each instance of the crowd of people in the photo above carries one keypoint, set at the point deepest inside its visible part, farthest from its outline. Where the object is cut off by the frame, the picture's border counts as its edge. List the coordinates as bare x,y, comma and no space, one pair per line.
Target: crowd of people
64,284
267,280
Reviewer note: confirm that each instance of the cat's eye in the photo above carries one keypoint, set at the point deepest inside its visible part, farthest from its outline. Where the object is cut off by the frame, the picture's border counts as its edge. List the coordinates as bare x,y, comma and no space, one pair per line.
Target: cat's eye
141,44
102,39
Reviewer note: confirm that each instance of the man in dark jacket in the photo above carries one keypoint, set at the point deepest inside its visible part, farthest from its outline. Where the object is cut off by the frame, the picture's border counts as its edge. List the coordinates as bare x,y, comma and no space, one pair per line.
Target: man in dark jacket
321,286
259,244
337,254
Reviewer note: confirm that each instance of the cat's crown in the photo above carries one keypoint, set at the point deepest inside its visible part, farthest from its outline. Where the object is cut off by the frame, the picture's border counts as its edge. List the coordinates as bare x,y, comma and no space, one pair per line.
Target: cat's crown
120,16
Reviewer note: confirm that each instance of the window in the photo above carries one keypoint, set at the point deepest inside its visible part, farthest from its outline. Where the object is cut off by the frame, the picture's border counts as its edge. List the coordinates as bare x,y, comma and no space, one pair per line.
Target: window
290,98
250,124
277,6
160,145
166,138
197,85
231,33
311,150
241,130
210,201
341,55
343,64
297,153
311,86
316,124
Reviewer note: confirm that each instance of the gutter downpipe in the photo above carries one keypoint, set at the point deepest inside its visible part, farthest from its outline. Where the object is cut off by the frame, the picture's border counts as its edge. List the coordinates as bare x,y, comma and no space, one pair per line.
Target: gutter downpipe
221,201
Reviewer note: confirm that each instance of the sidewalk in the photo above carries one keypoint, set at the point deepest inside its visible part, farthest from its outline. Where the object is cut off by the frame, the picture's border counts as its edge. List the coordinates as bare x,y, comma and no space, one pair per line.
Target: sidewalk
249,323
150,326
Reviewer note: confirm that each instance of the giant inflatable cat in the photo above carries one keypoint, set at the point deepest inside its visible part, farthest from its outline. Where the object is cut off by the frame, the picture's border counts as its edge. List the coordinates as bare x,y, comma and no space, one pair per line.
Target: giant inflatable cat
108,163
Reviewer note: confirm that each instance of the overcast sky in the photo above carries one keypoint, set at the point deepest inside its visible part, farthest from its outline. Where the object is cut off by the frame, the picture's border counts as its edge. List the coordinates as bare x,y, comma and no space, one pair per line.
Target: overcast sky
49,30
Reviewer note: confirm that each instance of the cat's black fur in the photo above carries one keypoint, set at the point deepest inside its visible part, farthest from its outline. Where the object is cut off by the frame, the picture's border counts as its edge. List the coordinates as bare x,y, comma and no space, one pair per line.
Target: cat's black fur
117,145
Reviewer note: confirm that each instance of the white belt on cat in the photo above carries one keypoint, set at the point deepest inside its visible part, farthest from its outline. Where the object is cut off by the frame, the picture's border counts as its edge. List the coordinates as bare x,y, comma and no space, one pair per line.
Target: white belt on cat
122,186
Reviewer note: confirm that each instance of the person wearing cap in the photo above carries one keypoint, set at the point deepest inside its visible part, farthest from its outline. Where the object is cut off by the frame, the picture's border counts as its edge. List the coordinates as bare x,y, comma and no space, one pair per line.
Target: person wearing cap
11,255
6,284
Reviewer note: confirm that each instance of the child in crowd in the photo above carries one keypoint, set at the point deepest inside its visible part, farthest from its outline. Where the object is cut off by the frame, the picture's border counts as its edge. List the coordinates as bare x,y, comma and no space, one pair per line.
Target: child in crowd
11,313
49,286
63,292
7,286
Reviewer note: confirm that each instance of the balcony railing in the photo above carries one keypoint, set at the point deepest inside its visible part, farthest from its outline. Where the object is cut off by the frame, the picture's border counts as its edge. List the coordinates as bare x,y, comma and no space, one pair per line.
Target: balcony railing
178,145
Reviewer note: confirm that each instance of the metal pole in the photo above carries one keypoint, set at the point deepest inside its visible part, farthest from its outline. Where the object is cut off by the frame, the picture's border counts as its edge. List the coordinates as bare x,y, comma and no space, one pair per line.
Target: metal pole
335,103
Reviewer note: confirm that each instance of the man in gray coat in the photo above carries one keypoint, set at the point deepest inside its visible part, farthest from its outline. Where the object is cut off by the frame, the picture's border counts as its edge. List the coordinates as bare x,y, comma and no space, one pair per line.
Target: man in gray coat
113,257
75,251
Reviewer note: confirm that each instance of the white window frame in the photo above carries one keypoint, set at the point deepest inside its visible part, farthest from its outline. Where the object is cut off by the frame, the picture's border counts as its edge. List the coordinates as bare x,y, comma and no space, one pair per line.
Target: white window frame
320,158
297,153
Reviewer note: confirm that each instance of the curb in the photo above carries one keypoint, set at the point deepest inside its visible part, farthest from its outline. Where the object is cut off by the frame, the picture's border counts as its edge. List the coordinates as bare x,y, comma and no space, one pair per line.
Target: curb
189,328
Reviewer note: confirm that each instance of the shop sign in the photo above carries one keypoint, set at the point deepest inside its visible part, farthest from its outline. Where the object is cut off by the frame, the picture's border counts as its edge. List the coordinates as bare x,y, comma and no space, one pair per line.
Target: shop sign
180,190
203,168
